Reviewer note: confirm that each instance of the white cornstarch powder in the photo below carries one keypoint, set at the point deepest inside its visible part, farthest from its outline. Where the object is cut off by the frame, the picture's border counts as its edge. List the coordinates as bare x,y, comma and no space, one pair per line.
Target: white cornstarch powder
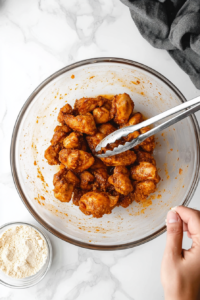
23,251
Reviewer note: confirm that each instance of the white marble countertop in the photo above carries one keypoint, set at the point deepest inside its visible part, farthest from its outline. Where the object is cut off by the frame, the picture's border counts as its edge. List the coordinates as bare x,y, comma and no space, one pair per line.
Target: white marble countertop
37,38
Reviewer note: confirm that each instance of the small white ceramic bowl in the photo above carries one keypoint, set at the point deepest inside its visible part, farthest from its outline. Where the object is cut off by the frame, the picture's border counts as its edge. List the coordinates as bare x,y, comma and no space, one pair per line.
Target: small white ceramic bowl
31,280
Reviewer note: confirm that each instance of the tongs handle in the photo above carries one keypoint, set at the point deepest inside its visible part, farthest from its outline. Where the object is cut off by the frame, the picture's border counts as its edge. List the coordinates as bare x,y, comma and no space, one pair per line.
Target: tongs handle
116,135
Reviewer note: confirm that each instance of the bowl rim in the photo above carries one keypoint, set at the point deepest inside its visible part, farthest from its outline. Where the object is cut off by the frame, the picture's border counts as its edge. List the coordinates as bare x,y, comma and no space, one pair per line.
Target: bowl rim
20,117
49,257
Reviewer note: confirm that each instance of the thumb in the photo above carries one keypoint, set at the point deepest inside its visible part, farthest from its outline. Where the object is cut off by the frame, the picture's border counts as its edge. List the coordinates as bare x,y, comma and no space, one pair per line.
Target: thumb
174,233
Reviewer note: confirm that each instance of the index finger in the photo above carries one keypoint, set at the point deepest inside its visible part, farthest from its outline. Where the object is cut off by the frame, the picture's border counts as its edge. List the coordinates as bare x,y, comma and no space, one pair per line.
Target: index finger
192,218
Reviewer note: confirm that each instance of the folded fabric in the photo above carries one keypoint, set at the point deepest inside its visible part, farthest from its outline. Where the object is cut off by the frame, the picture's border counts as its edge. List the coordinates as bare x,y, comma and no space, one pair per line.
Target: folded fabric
173,25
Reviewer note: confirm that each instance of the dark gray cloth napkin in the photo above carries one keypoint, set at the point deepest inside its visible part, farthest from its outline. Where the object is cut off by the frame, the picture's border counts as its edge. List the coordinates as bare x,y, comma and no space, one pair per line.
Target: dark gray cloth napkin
173,25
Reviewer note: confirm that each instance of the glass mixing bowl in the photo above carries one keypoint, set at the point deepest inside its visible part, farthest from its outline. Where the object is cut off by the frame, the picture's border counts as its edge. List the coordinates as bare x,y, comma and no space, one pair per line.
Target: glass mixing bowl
31,280
176,153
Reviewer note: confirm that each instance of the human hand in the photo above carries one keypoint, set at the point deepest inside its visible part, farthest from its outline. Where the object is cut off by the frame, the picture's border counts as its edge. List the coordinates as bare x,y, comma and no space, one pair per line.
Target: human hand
180,271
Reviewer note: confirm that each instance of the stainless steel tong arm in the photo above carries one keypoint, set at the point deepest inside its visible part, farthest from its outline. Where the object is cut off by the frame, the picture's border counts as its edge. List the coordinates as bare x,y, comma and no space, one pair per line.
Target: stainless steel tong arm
193,104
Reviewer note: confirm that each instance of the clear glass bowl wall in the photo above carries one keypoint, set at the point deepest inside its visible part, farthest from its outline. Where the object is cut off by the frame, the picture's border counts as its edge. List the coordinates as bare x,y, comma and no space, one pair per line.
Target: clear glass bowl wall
177,148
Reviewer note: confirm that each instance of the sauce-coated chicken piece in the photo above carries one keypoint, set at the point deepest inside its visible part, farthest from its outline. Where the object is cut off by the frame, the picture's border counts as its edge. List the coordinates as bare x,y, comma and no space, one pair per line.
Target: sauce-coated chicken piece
67,109
84,145
64,182
146,157
78,193
76,160
59,175
52,154
101,115
63,190
121,181
149,139
72,178
157,179
81,123
97,204
86,180
85,105
98,164
60,134
144,171
68,175
135,119
149,147
58,137
62,167
132,136
113,200
101,179
123,159
106,129
108,104
122,107
143,190
63,128
149,144
121,170
125,201
108,147
73,141
112,146
94,140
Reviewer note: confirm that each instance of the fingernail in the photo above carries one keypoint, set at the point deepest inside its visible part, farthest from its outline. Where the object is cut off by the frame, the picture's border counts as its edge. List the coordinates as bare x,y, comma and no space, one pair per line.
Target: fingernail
174,209
172,217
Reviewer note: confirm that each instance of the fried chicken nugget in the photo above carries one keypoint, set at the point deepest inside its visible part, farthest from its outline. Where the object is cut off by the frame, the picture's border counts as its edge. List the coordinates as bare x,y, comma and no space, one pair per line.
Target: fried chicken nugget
143,189
52,154
76,160
85,105
97,203
101,115
86,179
78,193
122,107
64,182
94,140
123,159
81,123
135,119
148,144
66,109
121,181
106,129
98,164
143,156
101,179
125,201
73,141
61,132
144,171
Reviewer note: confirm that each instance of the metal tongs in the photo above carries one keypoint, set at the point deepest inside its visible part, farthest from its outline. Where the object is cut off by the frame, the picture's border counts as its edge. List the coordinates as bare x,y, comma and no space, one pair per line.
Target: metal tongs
189,107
